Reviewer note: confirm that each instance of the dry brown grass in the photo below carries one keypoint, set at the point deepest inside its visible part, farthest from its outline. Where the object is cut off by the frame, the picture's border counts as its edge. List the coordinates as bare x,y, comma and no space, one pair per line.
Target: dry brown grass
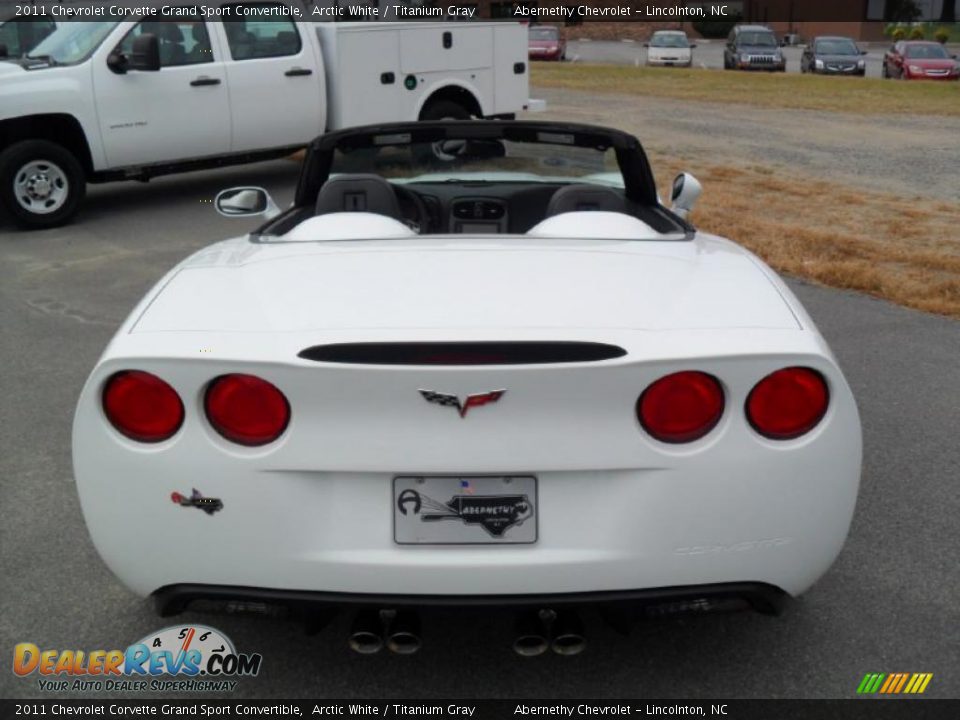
906,251
779,90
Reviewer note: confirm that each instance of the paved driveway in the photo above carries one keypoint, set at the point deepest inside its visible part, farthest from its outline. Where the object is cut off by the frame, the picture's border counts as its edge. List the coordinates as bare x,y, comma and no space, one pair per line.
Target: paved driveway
891,603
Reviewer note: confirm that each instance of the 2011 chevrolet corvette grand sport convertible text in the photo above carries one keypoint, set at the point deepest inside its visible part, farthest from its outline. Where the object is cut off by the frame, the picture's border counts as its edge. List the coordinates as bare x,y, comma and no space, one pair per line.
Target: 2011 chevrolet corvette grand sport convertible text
474,363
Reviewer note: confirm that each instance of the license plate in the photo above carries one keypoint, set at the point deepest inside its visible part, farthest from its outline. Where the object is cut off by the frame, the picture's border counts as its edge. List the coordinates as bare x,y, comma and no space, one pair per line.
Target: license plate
464,509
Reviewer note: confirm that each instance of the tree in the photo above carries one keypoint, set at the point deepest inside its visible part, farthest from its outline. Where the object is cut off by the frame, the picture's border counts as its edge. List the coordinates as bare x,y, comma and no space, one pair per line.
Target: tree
901,10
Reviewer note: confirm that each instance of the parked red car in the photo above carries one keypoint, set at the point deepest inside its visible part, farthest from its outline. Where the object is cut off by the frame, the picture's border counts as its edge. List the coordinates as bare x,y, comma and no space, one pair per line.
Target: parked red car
918,59
546,43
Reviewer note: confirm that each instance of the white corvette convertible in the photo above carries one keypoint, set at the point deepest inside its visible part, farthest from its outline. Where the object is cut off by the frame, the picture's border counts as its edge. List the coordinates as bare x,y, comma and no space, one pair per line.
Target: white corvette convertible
474,363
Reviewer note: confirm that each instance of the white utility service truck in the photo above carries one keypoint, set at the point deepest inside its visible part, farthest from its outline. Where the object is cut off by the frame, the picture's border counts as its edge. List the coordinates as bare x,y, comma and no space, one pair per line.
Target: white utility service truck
98,101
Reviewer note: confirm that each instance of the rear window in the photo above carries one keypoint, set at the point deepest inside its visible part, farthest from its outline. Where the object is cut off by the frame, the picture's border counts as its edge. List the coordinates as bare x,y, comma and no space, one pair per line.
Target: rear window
926,52
253,39
547,33
836,47
759,38
669,40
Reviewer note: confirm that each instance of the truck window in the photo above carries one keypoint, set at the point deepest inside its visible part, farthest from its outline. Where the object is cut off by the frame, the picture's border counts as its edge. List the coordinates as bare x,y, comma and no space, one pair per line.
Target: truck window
181,42
10,36
251,39
72,42
20,36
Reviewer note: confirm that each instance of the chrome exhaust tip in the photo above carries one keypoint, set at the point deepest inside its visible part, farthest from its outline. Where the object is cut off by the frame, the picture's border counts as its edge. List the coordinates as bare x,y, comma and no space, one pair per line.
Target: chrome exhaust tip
403,636
532,635
568,635
366,633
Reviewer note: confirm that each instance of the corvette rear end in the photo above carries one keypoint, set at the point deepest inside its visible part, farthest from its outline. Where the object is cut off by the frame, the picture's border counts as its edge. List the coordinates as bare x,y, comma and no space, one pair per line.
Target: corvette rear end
509,420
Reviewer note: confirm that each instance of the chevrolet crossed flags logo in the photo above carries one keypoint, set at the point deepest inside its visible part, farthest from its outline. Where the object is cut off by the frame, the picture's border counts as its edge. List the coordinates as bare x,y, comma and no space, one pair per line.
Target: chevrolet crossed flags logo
431,396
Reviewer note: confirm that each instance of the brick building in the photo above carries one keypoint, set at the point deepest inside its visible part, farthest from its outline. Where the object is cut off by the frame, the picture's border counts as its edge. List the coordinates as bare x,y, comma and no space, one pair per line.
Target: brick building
859,19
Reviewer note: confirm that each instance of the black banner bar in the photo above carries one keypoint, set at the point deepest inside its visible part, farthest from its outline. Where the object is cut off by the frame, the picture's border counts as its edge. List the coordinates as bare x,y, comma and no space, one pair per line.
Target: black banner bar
570,12
855,709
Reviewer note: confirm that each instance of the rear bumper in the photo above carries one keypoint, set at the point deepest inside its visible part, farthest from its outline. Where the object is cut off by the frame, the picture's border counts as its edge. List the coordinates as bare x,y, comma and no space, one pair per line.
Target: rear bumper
769,67
948,78
614,508
669,63
861,72
650,602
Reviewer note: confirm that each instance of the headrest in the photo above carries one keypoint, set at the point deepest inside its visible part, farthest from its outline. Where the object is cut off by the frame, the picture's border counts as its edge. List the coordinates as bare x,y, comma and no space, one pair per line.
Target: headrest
575,198
594,225
287,41
360,192
199,33
349,226
166,31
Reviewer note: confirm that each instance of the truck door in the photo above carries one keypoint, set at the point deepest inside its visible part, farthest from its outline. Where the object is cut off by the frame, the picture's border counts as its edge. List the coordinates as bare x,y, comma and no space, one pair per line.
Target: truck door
180,112
276,84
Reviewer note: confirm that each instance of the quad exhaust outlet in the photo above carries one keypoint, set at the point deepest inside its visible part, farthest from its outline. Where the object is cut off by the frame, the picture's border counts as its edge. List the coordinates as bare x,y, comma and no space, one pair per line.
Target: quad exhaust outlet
372,630
537,631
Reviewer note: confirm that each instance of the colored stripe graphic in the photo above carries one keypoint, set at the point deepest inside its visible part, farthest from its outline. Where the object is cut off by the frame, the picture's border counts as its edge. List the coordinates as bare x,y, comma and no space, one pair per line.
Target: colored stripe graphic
894,683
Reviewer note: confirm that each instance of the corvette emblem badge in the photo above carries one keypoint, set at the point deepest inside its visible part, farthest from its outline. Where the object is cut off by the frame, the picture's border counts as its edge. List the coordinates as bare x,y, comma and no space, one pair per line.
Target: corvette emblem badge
453,401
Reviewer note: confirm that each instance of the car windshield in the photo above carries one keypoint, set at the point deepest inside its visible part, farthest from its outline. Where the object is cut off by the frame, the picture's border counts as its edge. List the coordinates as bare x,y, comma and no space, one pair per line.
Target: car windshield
72,42
926,52
761,39
669,40
836,47
544,33
553,158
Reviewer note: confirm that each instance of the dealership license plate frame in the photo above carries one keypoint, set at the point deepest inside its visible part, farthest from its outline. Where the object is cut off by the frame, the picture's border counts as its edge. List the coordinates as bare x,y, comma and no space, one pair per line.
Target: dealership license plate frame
440,495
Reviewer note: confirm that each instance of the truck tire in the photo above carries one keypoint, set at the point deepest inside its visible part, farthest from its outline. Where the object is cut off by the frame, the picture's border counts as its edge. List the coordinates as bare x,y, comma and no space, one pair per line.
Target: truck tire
441,153
41,183
444,110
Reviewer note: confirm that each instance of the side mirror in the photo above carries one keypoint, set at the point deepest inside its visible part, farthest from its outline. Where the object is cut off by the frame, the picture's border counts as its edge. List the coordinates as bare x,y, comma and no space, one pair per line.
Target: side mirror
692,45
246,202
646,44
863,52
686,190
117,62
3,51
145,55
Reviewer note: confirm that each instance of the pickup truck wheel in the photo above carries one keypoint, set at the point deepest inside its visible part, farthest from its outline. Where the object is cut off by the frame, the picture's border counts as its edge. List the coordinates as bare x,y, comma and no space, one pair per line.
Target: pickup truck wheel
444,152
41,183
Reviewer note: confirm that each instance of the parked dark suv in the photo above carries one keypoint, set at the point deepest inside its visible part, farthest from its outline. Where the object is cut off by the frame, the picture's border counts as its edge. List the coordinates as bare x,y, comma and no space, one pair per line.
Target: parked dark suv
753,47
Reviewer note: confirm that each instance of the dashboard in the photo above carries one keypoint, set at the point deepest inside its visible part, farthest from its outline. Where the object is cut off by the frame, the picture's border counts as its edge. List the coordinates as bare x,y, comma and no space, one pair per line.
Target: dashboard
475,208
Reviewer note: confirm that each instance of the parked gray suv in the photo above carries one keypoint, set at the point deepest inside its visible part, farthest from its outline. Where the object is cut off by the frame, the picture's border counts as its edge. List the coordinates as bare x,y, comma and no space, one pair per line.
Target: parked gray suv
753,47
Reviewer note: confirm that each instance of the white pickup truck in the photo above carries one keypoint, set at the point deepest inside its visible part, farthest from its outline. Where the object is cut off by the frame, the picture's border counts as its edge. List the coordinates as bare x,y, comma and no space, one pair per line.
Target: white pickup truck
132,99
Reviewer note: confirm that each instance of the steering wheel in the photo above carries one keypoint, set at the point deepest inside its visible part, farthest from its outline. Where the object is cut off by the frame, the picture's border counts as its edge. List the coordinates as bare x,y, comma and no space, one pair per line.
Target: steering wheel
408,200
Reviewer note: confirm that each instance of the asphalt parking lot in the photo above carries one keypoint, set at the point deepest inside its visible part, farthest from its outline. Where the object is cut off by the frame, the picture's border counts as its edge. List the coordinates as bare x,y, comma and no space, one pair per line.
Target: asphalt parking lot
707,54
890,603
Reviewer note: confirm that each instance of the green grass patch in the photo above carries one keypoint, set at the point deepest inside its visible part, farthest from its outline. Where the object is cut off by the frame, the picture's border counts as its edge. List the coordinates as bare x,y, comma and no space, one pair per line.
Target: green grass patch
773,90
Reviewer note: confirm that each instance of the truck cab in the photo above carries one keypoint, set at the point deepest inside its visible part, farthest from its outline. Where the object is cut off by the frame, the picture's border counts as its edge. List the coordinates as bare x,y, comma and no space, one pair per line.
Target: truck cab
99,101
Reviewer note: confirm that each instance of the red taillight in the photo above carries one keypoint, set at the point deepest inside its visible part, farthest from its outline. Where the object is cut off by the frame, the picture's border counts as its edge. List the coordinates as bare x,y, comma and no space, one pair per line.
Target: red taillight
246,410
788,403
682,407
142,406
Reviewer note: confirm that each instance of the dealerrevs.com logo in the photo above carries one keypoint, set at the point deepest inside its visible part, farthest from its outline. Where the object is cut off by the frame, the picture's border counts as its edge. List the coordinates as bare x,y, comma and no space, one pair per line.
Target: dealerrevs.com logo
199,657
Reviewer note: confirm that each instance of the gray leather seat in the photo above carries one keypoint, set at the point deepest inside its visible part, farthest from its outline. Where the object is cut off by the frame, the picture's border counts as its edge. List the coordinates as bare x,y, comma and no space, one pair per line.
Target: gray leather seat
200,52
576,198
360,192
172,52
